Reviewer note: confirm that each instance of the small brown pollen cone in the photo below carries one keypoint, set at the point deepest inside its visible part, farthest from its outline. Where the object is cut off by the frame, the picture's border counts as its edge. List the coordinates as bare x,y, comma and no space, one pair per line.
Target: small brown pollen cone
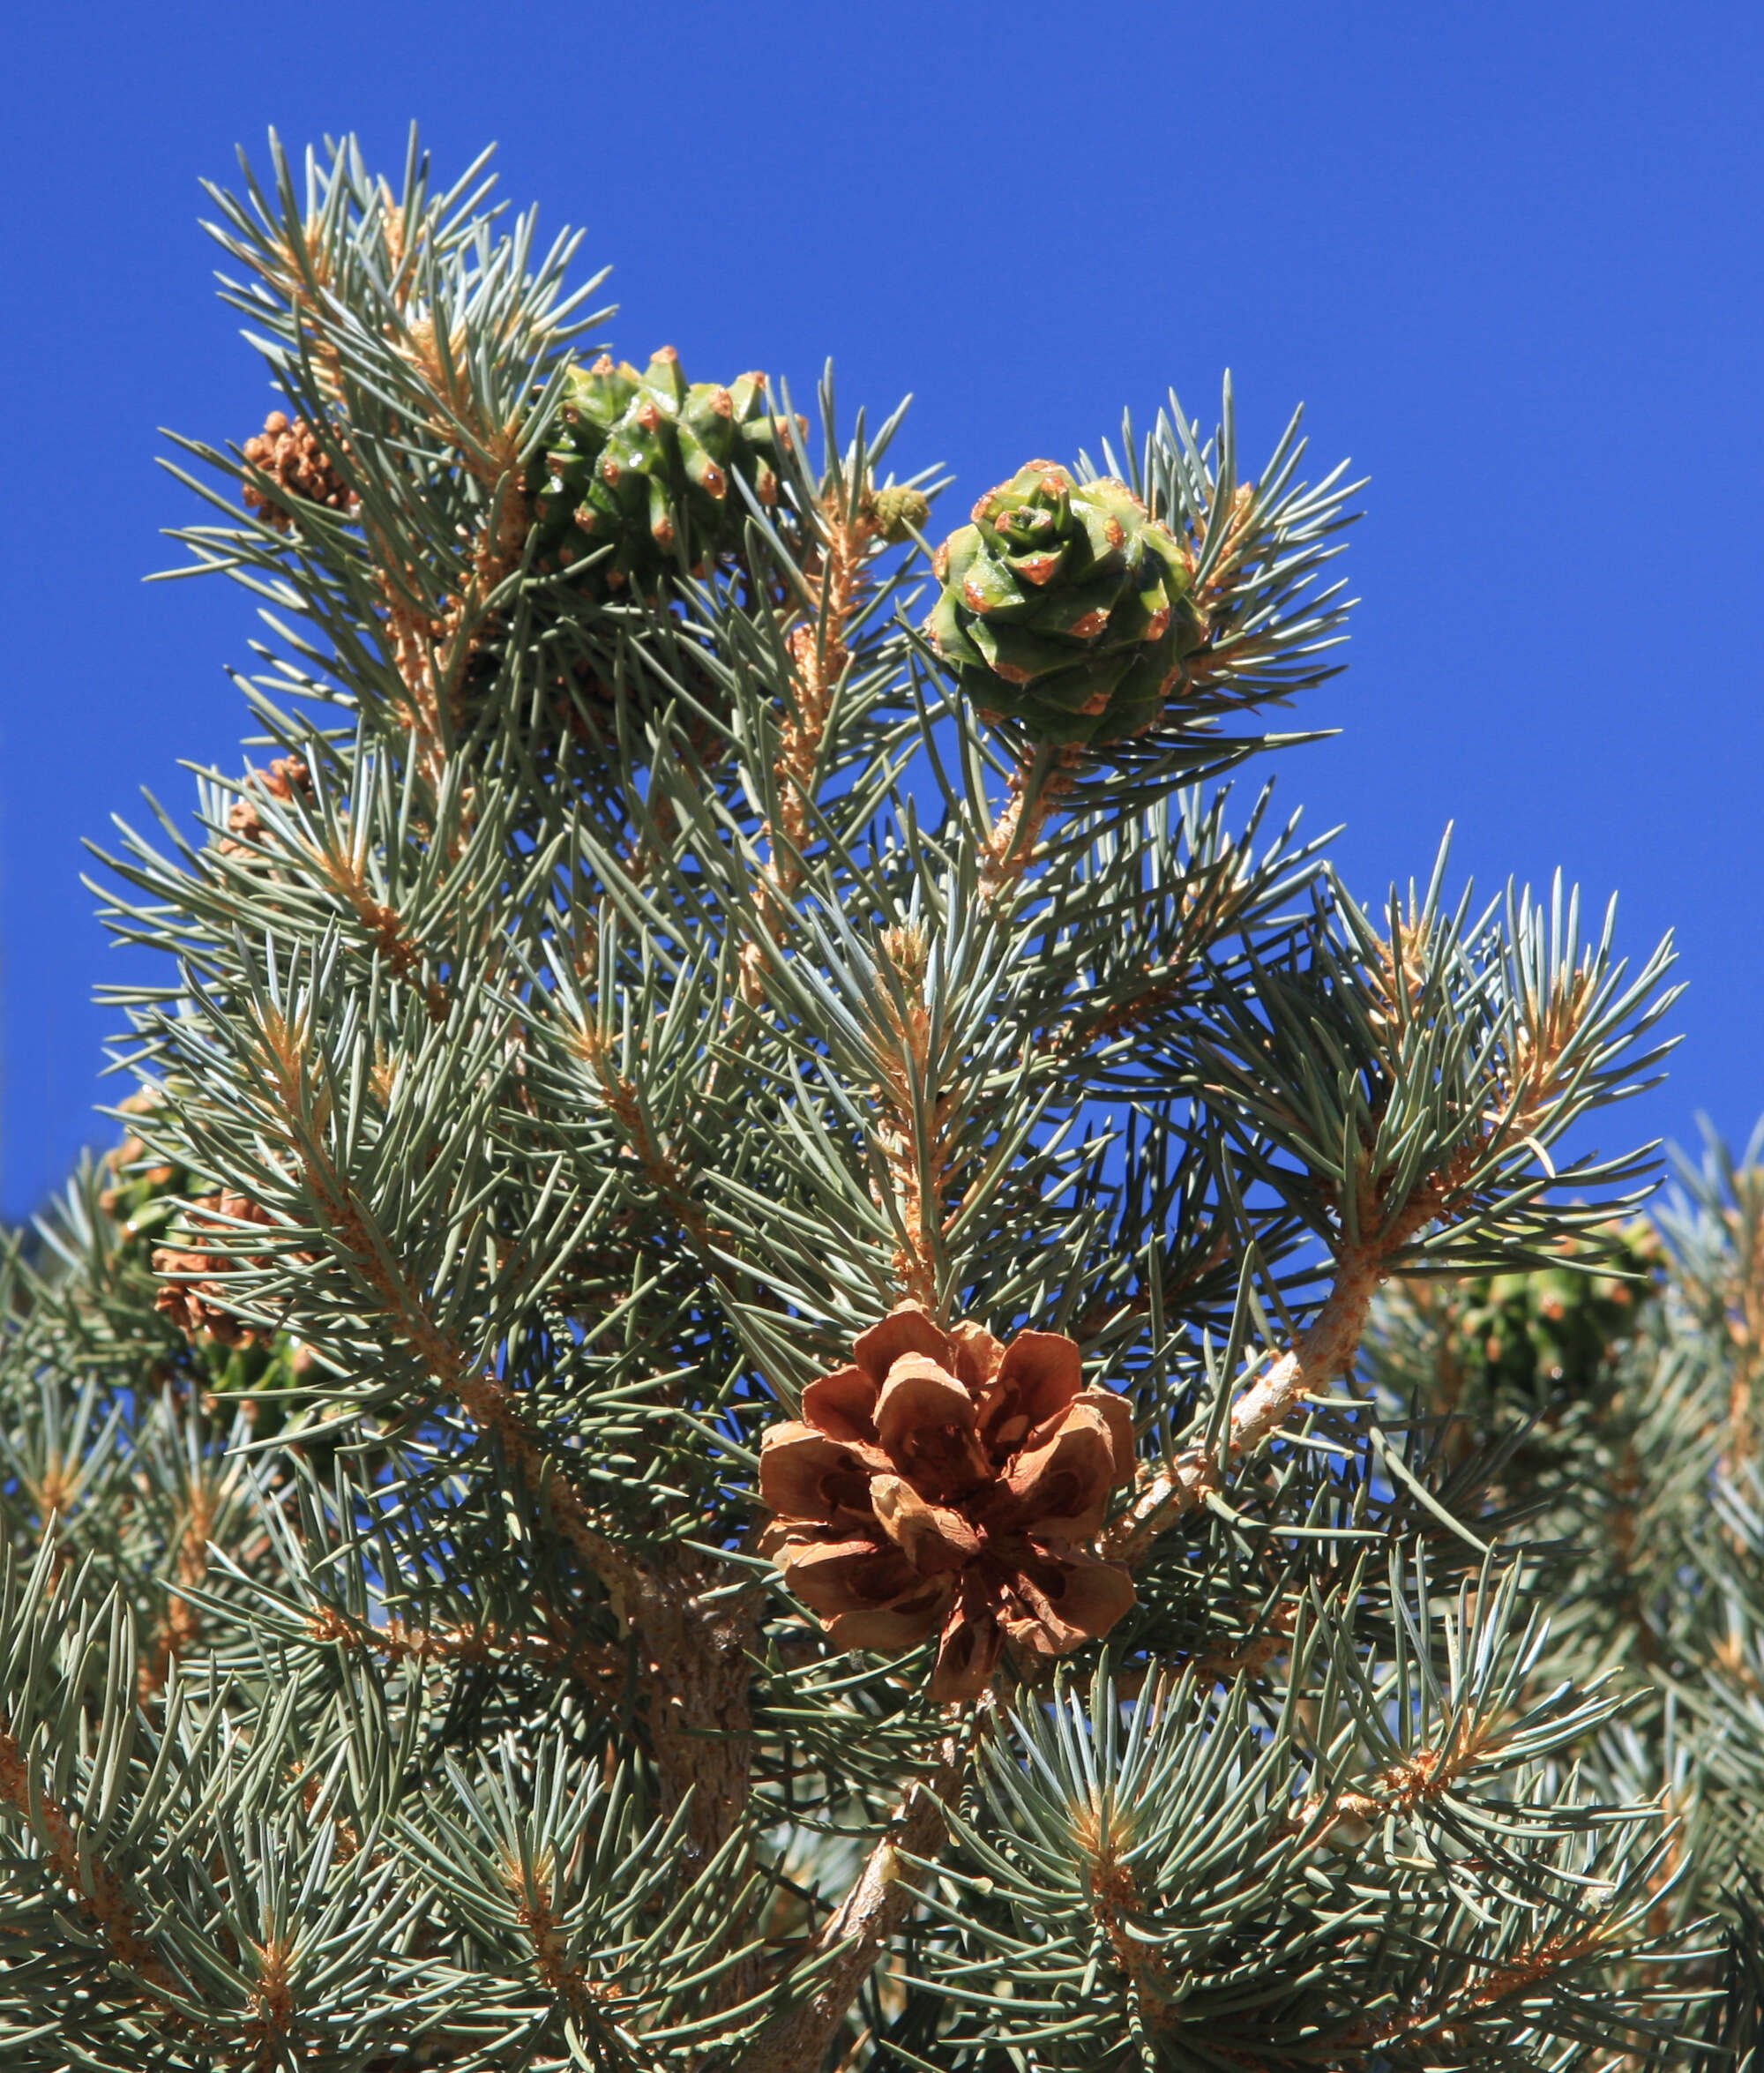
190,1297
286,776
293,456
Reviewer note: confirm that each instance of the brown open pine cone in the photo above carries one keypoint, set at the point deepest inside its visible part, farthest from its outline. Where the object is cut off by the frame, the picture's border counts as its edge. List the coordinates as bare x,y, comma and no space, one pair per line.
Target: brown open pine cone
942,1485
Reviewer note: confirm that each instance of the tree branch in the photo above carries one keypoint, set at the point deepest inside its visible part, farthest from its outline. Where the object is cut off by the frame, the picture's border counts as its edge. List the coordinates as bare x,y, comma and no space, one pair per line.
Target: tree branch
857,1932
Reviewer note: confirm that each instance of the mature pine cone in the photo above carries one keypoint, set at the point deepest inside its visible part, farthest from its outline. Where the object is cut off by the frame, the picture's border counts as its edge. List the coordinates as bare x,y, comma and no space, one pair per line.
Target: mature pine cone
1066,606
644,468
942,1484
291,456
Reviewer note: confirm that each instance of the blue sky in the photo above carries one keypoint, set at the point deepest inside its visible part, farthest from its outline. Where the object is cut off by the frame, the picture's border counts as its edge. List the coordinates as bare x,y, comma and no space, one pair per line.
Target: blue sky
1509,255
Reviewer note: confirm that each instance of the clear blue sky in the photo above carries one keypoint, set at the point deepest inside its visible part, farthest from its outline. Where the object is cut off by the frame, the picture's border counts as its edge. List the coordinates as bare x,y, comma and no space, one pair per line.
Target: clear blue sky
1509,256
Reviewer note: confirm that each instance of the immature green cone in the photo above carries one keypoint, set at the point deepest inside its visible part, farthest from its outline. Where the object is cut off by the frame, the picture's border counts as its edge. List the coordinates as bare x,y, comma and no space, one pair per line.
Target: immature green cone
1066,606
897,511
1549,1332
645,465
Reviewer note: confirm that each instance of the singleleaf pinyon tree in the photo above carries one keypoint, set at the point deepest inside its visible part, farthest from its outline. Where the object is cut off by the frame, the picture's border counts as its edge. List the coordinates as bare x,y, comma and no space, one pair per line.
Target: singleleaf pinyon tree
759,1389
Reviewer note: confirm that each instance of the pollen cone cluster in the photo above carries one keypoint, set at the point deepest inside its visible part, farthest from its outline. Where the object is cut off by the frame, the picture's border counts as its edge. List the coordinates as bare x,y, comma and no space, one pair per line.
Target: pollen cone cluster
188,1296
644,469
1066,606
286,776
944,1484
294,459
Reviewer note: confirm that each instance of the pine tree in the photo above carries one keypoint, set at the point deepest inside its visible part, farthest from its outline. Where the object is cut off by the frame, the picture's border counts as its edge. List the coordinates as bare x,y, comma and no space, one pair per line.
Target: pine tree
800,1356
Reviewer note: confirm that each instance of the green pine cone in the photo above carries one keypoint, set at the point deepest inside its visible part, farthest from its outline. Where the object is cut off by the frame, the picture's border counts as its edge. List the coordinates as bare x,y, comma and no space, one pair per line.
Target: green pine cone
896,512
645,467
141,1198
1550,1331
1066,606
256,1371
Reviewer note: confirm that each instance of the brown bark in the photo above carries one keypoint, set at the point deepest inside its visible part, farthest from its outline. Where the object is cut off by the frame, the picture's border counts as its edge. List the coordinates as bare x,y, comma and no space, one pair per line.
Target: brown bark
859,1929
695,1656
180,1626
695,1662
1326,1351
903,1045
106,1899
1007,852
